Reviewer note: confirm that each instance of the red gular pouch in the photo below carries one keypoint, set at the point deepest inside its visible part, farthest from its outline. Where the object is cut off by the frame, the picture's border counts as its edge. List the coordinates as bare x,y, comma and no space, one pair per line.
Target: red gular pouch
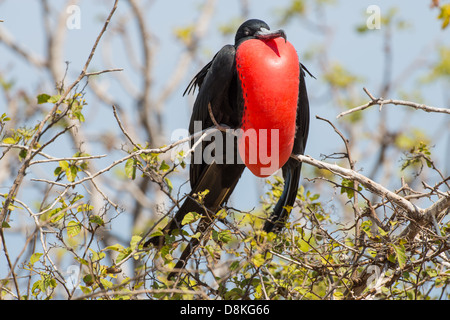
269,72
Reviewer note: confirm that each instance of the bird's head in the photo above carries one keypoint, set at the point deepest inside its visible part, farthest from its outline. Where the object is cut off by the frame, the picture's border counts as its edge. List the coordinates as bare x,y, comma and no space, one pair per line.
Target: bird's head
257,29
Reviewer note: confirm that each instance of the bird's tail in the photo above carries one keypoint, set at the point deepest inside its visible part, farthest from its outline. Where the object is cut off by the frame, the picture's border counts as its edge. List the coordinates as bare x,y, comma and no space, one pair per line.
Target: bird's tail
190,204
291,174
220,181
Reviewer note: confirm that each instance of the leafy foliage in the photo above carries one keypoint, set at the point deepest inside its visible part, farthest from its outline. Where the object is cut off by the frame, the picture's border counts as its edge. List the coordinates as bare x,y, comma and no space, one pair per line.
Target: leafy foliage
343,239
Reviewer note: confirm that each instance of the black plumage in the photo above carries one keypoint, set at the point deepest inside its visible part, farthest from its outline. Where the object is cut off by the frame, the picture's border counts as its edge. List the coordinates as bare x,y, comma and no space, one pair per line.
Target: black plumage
220,88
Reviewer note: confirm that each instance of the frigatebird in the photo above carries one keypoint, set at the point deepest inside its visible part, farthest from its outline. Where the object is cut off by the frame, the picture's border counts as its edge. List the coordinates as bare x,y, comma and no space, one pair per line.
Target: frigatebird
257,86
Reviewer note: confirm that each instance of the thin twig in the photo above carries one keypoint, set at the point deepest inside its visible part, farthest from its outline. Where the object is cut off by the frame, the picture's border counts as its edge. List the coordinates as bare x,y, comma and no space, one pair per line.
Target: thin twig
52,159
96,73
366,182
123,129
382,102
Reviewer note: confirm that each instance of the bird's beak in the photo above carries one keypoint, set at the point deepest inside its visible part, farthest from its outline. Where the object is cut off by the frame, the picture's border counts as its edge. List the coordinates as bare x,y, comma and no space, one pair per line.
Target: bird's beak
265,34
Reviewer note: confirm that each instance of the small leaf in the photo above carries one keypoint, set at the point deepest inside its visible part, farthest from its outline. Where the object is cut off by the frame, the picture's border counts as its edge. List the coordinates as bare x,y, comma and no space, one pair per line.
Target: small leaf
35,257
157,234
348,188
57,171
134,240
97,256
73,229
54,99
88,279
234,265
96,219
22,154
86,208
130,168
9,140
164,166
5,225
221,214
400,253
258,260
4,118
225,236
64,165
124,254
169,184
43,98
445,15
366,226
196,235
190,217
115,247
71,173
55,215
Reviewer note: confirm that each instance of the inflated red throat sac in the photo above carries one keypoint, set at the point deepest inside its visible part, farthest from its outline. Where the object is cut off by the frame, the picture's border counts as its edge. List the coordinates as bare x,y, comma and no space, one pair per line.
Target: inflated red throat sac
269,73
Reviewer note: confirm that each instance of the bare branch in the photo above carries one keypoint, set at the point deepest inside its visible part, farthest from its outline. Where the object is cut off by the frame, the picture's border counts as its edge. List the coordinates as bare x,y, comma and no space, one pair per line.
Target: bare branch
366,182
381,102
103,71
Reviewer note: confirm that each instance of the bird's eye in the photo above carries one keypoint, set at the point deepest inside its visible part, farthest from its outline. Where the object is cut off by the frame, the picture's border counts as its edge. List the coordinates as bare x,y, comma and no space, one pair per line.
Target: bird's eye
247,31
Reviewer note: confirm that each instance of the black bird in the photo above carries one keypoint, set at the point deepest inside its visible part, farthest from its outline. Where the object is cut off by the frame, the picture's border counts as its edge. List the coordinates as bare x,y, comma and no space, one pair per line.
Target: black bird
257,86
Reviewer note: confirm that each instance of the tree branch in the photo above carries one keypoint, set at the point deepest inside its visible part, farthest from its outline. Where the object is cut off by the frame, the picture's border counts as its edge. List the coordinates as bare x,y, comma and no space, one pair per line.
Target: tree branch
381,102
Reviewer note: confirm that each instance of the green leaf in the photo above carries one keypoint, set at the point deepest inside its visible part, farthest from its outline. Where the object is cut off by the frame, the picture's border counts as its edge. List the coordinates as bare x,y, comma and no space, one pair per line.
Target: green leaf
190,217
43,98
82,261
258,260
35,257
71,173
157,234
9,140
5,225
303,245
196,235
340,77
87,208
165,253
400,253
115,247
164,166
22,154
348,188
4,118
88,279
55,216
57,171
64,165
221,214
445,15
124,254
169,184
130,168
222,236
184,33
97,256
36,286
96,219
234,265
134,240
54,99
73,229
366,226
